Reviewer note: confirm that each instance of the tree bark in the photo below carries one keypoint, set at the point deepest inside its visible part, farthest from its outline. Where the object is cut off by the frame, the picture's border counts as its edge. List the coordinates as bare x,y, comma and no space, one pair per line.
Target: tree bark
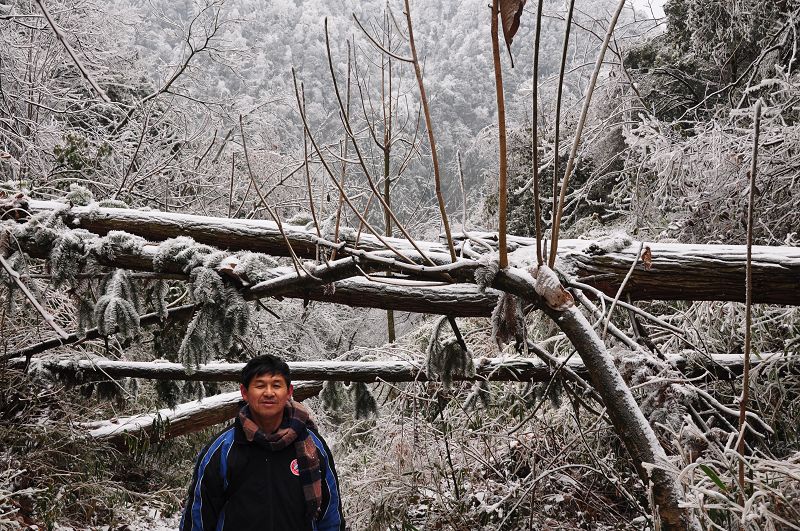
630,424
184,418
678,271
493,369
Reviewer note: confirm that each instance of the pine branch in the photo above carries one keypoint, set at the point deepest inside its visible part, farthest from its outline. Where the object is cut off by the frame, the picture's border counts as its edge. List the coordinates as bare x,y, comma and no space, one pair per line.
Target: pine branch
93,333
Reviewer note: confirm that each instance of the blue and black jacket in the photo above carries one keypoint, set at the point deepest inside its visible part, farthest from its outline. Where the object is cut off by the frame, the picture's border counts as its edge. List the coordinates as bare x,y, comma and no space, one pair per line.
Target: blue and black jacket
239,486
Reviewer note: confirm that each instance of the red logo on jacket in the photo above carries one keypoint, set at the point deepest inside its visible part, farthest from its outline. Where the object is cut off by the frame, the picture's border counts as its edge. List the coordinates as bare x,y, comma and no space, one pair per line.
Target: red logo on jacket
294,467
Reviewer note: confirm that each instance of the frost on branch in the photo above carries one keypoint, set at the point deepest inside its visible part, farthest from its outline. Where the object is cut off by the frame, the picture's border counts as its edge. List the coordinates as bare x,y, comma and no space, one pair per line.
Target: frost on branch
116,310
19,263
608,243
480,393
336,396
507,322
116,243
182,253
41,230
484,275
112,203
79,195
84,301
332,396
254,267
157,297
365,404
223,315
664,399
69,255
446,358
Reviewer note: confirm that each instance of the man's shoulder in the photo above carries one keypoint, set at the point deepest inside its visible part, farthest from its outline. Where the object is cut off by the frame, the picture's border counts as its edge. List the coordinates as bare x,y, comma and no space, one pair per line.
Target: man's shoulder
316,435
222,438
319,442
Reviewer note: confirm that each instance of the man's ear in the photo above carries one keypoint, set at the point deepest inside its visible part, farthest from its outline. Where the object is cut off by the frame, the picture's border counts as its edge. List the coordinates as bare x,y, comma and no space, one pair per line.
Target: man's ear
243,390
291,391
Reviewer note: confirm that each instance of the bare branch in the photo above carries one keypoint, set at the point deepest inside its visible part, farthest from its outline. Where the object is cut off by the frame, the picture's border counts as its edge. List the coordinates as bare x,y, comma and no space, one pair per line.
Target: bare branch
32,298
75,59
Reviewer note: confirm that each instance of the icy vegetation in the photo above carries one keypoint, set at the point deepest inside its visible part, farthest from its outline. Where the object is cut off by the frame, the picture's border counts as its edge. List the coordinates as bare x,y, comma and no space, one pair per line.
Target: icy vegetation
302,129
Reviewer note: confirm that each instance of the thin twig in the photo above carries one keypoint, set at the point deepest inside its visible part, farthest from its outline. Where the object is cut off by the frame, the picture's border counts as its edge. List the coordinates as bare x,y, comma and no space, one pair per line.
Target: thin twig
72,54
622,287
380,46
329,171
501,135
535,135
431,140
748,299
39,308
308,175
557,132
579,131
344,156
230,193
295,260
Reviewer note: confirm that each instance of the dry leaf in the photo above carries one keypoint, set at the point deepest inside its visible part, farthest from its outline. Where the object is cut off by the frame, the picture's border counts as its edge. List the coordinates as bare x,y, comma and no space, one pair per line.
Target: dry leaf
227,266
14,207
5,241
550,289
647,258
510,14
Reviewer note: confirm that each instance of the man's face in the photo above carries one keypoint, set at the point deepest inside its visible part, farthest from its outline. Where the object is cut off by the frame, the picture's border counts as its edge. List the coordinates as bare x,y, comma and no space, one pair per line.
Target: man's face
267,395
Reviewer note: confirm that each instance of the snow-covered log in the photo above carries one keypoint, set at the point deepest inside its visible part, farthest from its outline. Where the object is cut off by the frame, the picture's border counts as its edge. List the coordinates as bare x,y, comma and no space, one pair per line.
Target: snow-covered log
184,418
254,235
676,272
495,369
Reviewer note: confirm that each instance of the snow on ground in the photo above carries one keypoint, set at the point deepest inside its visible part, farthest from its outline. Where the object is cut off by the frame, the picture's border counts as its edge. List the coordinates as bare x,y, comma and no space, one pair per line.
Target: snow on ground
143,518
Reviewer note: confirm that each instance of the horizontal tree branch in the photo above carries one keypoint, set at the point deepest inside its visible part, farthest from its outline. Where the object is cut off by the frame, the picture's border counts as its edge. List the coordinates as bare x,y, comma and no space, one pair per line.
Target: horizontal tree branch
494,369
184,418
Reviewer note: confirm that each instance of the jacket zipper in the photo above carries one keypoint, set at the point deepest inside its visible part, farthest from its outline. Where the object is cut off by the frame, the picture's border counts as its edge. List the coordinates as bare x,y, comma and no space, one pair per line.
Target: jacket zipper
270,495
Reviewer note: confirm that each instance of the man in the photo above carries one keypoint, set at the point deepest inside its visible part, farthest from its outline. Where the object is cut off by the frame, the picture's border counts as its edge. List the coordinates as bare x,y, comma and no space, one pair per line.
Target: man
271,470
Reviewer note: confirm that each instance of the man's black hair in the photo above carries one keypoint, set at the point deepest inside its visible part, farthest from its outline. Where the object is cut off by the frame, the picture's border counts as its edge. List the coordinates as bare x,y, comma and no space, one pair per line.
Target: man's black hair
266,364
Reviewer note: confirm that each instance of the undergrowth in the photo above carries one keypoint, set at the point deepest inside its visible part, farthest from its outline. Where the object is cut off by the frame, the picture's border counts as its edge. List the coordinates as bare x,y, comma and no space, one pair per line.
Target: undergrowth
52,473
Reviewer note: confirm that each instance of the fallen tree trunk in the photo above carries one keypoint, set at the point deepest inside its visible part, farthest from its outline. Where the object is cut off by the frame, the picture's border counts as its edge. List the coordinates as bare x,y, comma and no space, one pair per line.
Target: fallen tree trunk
493,369
184,418
677,272
629,422
262,236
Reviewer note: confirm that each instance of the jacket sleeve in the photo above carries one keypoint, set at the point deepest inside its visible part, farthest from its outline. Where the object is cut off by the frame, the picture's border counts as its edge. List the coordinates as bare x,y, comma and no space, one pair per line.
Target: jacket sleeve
206,496
331,517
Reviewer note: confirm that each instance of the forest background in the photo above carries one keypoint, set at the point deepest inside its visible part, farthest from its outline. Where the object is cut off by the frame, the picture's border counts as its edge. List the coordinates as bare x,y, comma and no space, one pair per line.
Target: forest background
197,112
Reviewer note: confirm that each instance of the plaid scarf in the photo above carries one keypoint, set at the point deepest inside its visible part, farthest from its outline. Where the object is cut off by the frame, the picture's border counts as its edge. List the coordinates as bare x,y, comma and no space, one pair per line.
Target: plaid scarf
293,429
